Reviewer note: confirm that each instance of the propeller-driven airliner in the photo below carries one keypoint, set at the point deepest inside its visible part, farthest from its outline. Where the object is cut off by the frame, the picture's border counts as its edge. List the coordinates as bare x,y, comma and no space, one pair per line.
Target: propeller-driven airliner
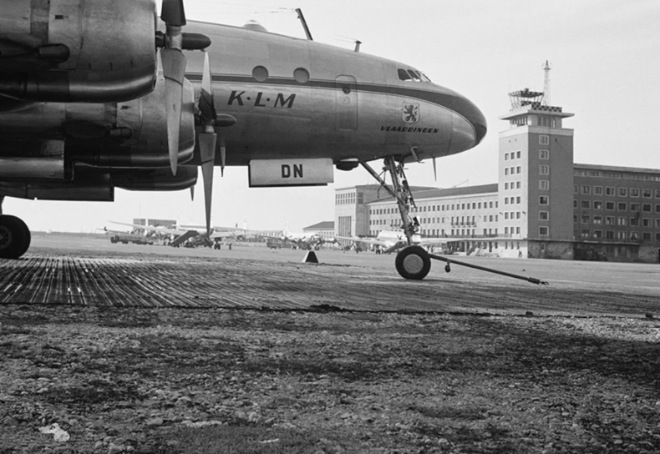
99,94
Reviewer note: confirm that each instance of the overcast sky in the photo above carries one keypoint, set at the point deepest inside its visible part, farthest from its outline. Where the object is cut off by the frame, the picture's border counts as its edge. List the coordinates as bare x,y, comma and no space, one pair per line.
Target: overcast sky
605,58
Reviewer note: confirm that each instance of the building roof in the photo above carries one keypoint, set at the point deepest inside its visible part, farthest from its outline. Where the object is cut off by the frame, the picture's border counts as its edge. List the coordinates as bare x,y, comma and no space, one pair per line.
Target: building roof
378,186
433,193
325,225
577,166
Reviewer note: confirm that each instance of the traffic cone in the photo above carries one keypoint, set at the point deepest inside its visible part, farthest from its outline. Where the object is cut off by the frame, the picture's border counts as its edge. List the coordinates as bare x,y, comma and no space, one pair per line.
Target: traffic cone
310,257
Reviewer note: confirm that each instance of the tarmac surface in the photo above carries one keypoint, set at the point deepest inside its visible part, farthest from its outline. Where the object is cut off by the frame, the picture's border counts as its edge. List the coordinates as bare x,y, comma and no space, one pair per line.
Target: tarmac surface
65,269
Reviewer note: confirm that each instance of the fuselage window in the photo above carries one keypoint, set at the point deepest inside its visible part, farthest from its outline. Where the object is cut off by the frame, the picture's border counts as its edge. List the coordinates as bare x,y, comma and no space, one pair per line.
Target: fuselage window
301,75
260,74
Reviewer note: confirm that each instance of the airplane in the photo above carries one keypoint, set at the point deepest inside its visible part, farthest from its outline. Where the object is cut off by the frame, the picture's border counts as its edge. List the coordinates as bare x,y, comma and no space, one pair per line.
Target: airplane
97,95
307,241
389,241
187,236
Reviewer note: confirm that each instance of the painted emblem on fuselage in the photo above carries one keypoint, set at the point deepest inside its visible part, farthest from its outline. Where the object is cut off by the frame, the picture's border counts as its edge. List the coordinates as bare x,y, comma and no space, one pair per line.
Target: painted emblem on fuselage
411,113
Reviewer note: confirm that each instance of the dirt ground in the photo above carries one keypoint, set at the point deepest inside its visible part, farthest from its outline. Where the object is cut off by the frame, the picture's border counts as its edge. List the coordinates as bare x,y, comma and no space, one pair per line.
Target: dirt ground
255,352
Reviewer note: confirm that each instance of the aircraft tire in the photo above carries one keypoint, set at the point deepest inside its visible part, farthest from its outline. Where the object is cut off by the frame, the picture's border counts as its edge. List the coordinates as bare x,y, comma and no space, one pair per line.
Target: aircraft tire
15,237
413,263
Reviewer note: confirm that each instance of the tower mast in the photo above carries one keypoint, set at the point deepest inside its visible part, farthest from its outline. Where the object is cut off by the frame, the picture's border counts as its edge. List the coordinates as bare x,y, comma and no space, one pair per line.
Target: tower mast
546,84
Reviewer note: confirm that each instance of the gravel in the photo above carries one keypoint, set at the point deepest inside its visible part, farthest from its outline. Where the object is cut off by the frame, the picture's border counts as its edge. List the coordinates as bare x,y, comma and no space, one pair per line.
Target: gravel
143,380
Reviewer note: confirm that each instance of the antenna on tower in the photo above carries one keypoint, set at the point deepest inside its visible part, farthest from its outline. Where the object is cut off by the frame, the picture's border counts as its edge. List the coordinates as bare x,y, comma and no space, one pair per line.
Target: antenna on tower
546,84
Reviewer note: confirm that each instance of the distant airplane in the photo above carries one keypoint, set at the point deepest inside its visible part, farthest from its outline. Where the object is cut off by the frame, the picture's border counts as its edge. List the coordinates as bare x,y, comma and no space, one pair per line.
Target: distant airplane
305,241
393,240
97,95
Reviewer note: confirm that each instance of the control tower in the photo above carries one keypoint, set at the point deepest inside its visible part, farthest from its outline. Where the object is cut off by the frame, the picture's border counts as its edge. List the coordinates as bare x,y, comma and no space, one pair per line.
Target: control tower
536,176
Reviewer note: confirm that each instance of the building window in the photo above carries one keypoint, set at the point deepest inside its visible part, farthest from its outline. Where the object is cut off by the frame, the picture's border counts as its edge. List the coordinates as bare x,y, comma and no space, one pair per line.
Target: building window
544,216
646,193
544,140
598,190
598,205
609,206
623,192
586,190
544,154
609,191
598,234
585,219
634,192
518,154
518,169
598,220
543,231
609,220
544,170
622,206
646,207
544,200
585,204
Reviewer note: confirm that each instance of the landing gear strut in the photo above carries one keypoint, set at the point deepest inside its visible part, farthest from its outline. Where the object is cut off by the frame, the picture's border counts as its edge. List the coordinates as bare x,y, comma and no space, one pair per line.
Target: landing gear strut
412,262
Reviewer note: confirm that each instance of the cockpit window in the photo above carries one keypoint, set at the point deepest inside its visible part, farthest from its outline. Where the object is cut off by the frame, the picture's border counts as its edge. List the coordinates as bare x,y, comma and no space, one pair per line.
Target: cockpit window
411,75
403,74
415,75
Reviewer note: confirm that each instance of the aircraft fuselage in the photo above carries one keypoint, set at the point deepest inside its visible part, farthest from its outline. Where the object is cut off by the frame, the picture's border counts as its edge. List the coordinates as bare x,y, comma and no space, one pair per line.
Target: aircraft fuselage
294,98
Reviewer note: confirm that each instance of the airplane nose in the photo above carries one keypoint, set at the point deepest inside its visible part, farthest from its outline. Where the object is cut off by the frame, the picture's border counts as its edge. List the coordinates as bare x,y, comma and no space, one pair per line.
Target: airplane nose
473,115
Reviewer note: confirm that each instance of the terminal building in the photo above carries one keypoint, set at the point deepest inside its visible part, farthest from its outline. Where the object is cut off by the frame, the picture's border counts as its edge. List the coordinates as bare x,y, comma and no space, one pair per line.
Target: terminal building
543,205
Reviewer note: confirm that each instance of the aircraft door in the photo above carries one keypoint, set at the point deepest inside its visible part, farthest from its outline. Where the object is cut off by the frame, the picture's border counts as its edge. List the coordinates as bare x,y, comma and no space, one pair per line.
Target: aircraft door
346,102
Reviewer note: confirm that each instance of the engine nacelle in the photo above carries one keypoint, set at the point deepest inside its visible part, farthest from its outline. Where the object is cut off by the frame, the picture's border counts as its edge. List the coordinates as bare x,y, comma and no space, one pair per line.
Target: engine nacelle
155,179
146,143
80,51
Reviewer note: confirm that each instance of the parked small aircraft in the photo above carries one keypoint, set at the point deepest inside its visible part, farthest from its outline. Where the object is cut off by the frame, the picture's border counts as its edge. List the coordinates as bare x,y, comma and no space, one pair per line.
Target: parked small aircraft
97,95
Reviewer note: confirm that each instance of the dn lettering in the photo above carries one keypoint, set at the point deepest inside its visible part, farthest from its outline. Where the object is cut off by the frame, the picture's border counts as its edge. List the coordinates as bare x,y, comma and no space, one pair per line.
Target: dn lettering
295,171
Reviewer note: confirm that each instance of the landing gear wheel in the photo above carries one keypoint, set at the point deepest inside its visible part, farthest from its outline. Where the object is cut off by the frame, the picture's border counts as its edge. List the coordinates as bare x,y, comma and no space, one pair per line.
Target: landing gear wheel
413,263
15,237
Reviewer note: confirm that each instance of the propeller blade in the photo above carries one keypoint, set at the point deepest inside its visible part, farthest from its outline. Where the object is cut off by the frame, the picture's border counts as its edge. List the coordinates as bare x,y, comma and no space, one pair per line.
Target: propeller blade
174,66
435,171
172,13
223,157
207,143
206,103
